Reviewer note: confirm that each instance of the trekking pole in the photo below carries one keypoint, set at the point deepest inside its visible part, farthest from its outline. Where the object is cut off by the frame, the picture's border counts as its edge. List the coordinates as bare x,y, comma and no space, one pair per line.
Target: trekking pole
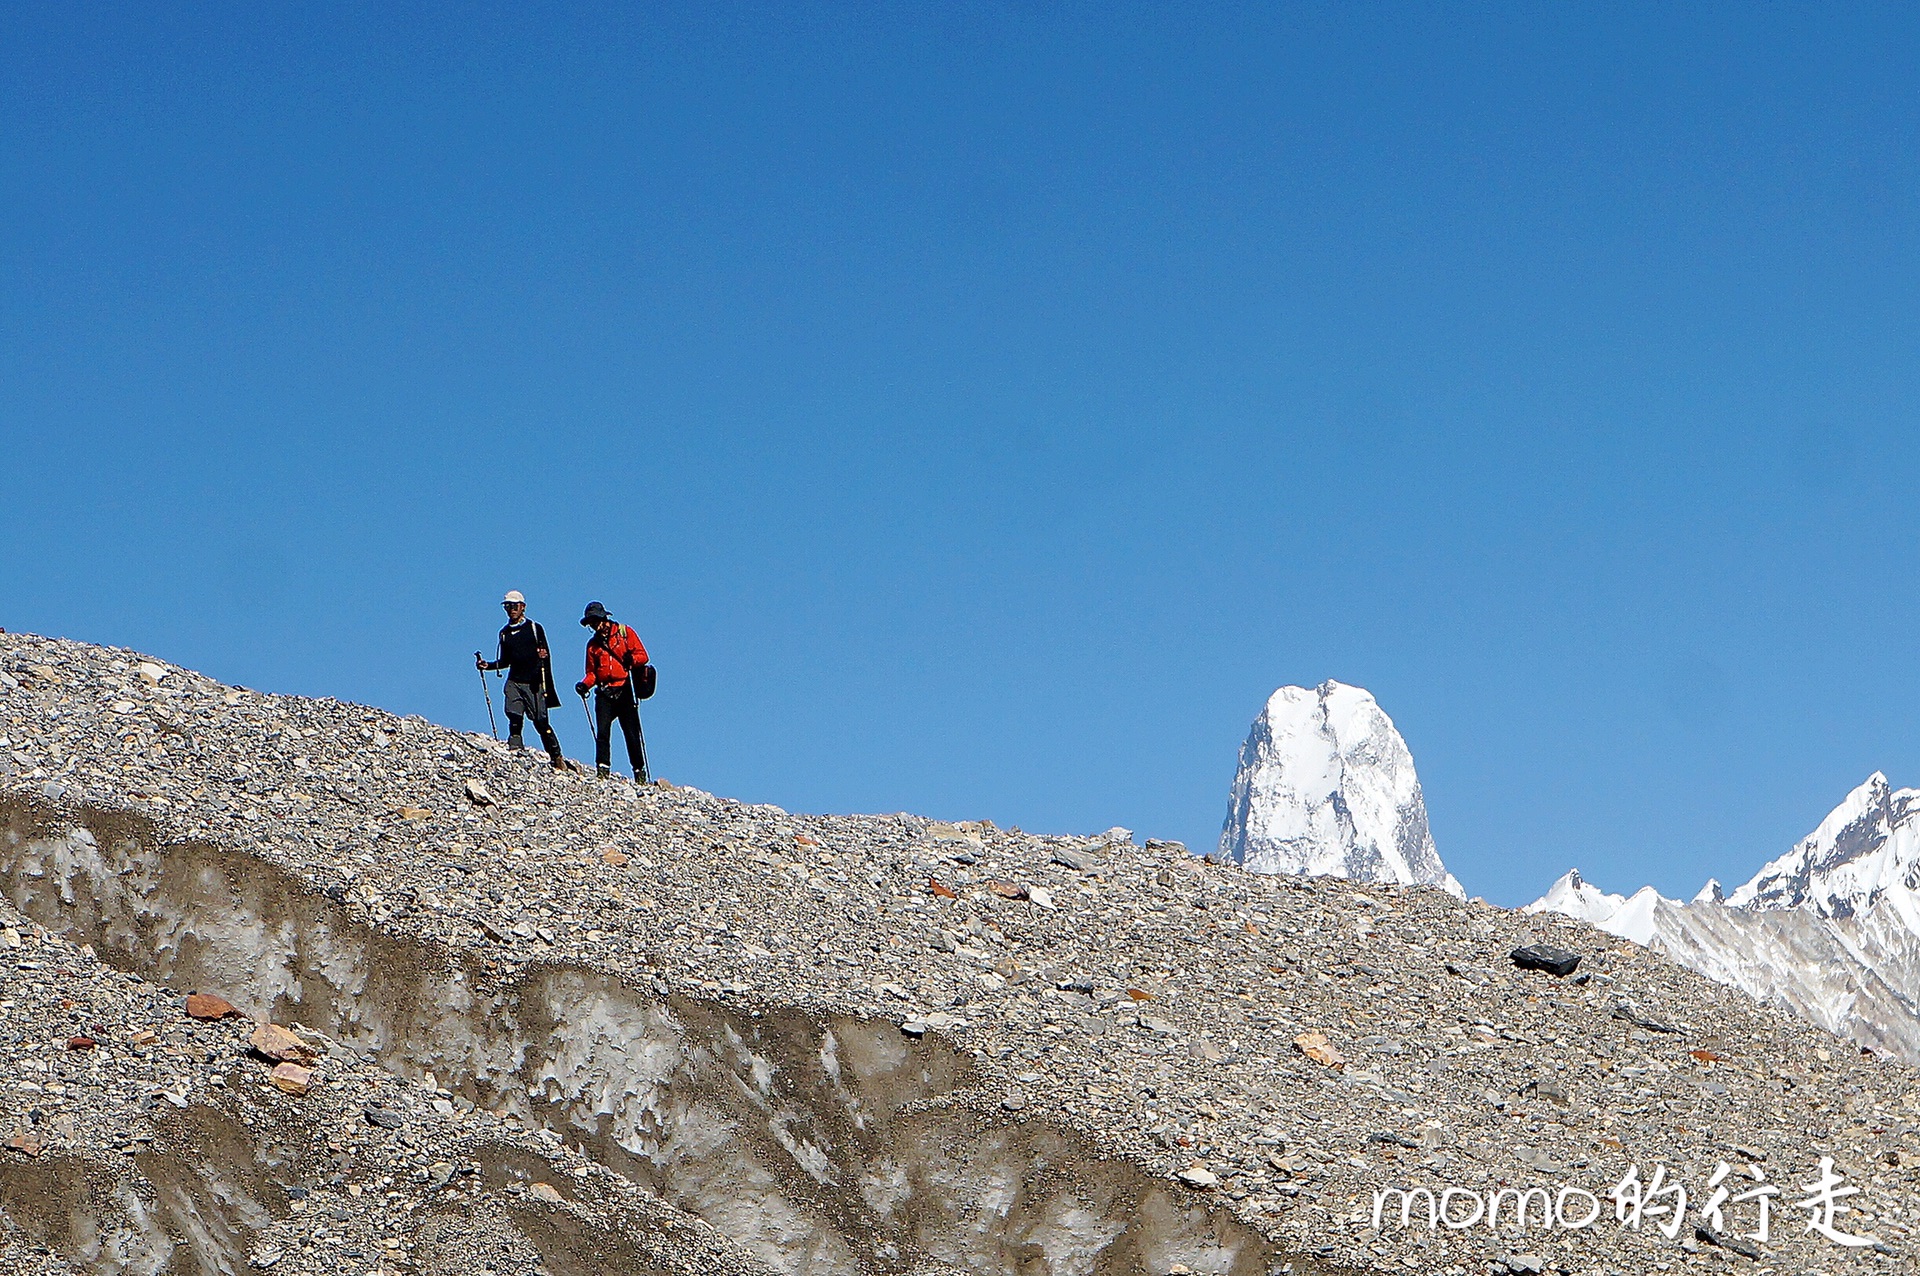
640,734
492,724
592,733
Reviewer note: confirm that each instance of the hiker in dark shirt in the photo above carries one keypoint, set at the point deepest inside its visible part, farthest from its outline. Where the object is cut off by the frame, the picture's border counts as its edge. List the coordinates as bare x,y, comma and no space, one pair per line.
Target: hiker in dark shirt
529,666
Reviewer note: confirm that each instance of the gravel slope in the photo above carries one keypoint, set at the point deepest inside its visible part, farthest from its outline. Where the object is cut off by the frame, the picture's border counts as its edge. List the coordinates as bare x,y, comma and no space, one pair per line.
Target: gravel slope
843,1043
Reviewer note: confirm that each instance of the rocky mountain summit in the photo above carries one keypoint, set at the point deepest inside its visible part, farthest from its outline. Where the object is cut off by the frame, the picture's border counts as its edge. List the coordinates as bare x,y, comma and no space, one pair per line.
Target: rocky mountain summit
1326,788
1864,855
302,986
1830,930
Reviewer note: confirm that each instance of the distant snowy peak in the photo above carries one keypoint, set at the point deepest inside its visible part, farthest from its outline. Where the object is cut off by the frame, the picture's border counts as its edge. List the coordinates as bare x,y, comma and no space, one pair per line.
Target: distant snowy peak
1868,846
1630,917
1867,849
1638,919
1830,930
1326,788
1572,896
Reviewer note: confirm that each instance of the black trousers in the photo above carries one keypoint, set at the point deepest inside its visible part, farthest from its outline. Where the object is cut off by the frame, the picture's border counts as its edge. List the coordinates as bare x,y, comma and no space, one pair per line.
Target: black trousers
610,703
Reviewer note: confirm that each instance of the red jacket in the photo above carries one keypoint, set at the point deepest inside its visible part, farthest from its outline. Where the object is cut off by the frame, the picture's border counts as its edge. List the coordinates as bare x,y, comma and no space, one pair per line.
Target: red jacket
609,661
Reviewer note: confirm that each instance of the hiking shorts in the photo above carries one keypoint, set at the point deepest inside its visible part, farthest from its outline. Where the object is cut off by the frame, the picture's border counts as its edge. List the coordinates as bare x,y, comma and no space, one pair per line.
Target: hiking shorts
525,701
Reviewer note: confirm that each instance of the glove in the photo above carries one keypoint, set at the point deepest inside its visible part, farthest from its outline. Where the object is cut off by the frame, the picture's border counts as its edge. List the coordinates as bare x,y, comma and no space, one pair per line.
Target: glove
580,689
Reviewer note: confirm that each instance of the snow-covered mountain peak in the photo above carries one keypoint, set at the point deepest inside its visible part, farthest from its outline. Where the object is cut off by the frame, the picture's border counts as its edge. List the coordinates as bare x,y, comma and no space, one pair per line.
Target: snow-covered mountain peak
1830,930
1637,918
1867,846
1326,787
1575,897
1630,917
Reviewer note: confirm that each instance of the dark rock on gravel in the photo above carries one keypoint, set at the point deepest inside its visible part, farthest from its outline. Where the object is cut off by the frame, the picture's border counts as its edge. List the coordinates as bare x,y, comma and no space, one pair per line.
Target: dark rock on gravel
1555,961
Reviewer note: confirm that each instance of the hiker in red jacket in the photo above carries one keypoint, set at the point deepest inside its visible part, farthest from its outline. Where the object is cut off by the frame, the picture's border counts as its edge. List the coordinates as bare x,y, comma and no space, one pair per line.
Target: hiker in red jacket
613,654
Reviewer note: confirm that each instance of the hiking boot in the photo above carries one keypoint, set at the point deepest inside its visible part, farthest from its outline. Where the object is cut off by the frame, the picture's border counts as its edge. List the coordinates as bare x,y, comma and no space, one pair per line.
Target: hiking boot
515,742
559,763
604,772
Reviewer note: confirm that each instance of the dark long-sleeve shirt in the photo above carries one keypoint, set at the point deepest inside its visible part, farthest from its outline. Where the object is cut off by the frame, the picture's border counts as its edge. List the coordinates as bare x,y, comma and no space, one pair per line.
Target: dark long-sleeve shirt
520,654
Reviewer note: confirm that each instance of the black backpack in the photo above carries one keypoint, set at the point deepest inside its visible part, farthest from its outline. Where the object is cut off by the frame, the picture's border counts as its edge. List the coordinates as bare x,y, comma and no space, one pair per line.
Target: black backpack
644,678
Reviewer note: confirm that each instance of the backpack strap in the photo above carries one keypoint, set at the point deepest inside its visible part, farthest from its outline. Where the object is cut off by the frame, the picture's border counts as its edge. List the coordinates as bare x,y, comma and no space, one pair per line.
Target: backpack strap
547,688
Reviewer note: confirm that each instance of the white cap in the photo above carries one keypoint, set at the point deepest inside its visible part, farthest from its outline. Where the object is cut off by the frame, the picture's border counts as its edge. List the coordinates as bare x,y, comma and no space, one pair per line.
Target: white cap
515,596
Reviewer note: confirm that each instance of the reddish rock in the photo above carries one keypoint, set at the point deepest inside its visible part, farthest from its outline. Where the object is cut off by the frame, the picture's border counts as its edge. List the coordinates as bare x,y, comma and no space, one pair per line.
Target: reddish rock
280,1044
204,1005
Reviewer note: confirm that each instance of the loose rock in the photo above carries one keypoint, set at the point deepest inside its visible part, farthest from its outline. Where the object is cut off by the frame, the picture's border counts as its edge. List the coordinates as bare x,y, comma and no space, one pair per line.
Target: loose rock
202,1005
1555,961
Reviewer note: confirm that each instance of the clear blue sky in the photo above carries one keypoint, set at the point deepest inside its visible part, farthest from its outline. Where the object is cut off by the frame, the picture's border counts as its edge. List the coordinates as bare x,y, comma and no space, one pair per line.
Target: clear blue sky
979,409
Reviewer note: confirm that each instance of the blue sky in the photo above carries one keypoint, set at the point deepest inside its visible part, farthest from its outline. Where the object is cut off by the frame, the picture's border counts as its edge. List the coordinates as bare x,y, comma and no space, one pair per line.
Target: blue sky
980,409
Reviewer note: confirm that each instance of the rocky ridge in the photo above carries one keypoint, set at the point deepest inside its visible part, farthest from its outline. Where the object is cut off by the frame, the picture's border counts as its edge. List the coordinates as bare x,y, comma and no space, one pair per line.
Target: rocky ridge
774,1042
1830,930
